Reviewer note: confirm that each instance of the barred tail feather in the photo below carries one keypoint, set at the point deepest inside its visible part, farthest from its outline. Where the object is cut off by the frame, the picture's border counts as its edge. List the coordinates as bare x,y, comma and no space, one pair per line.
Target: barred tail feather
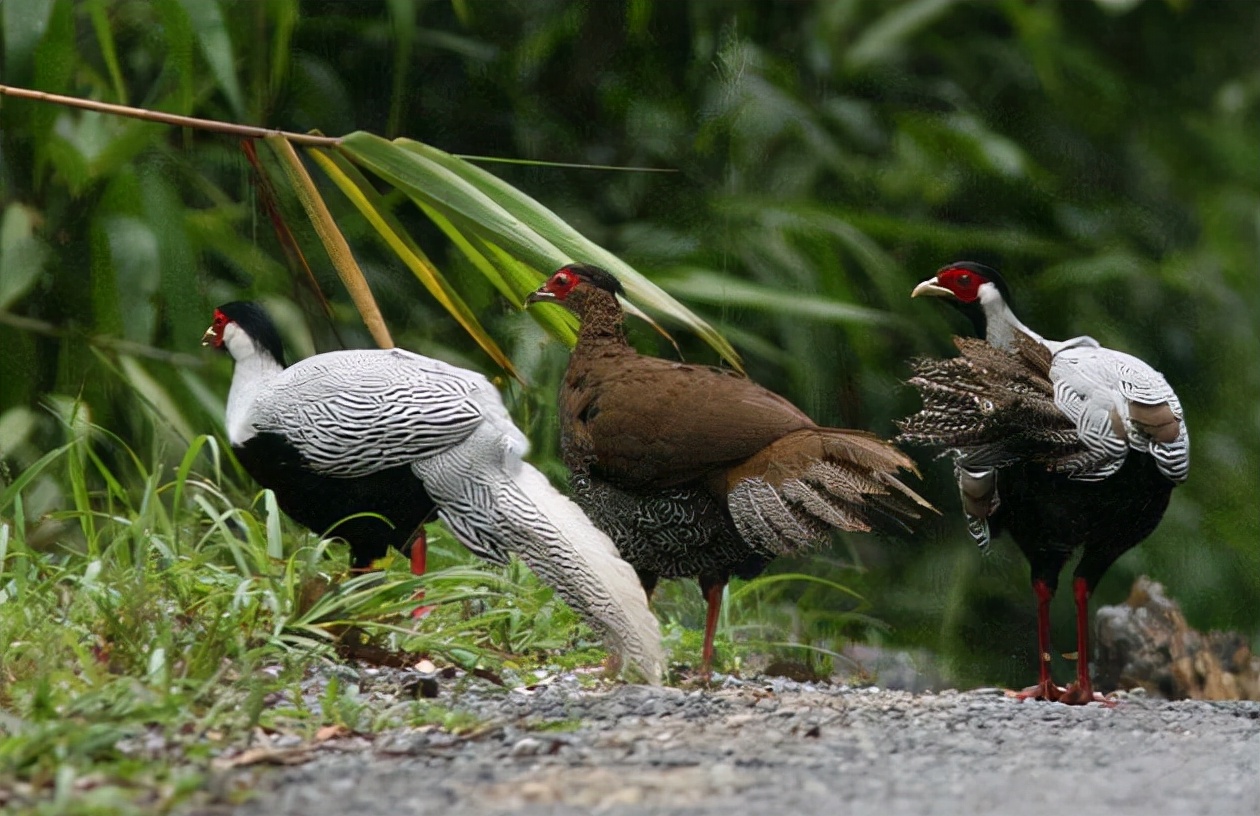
495,503
993,406
789,495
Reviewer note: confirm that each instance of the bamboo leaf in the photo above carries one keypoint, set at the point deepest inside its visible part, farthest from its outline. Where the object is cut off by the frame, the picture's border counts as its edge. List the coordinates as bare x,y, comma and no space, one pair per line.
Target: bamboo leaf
334,241
706,286
437,186
210,31
23,26
574,245
493,262
370,203
109,50
403,28
284,18
156,396
178,37
885,36
476,202
22,254
560,322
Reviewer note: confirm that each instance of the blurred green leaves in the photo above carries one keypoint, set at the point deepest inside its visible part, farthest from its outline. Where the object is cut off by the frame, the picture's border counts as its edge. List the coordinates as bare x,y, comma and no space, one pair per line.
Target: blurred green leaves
826,157
22,255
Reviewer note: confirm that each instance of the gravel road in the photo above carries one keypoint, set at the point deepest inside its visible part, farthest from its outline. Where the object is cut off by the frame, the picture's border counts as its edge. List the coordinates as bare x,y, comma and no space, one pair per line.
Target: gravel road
773,746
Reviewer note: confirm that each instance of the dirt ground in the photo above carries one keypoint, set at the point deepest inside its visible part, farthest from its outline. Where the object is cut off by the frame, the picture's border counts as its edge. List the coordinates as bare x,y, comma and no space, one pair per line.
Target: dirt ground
769,746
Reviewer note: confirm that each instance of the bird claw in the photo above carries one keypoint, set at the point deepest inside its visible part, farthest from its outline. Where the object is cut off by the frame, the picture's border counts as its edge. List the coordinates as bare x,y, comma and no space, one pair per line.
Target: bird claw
698,679
1076,694
1045,690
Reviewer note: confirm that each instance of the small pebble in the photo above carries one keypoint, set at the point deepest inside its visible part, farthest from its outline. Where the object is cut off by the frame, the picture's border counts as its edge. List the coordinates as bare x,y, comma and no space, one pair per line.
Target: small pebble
527,746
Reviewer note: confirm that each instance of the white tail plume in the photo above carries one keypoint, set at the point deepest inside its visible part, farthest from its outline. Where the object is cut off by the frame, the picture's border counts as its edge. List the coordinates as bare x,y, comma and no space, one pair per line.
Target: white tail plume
495,503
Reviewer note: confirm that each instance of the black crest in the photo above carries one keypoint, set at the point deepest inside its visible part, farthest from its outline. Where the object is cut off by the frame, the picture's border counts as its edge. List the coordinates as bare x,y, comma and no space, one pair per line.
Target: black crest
596,276
255,322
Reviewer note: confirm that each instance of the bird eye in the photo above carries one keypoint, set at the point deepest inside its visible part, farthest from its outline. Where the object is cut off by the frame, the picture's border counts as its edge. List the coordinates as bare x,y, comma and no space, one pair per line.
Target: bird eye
964,280
562,279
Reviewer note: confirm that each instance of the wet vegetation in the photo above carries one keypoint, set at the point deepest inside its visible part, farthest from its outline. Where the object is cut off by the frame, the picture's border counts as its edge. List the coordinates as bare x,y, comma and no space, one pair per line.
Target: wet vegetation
786,171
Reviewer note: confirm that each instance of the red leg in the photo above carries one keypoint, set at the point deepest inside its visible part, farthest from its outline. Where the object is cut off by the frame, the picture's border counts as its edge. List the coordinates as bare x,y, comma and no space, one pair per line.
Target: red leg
1045,688
714,597
419,552
1082,691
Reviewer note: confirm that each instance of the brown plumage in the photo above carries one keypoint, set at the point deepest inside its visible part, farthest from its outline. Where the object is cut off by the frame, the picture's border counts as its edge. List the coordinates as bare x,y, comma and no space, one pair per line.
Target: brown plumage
699,472
993,406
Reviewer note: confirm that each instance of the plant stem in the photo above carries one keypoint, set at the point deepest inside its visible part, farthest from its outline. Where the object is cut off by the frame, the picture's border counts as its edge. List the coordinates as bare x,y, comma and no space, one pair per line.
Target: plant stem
248,131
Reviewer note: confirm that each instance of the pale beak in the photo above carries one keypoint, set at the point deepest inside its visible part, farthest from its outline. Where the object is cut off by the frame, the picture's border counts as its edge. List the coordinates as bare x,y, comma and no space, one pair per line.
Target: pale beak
931,287
540,296
208,338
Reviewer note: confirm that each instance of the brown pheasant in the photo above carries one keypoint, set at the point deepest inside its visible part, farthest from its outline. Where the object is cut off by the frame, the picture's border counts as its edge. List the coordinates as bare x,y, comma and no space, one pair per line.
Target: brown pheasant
698,472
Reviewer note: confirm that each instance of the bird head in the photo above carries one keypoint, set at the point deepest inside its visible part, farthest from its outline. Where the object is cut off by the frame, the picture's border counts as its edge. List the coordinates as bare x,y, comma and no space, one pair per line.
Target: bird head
242,328
965,282
975,289
571,279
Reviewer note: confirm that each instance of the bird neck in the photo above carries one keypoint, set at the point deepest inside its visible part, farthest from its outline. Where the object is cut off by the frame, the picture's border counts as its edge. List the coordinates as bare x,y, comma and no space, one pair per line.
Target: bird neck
997,324
603,321
255,370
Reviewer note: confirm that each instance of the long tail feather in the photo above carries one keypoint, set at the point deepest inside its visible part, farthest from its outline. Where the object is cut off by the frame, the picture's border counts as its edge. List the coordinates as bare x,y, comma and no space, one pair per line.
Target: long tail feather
512,507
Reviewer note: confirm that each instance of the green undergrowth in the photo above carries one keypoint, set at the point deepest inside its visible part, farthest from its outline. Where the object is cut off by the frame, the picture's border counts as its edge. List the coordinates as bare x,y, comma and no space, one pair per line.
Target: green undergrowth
785,621
167,614
156,619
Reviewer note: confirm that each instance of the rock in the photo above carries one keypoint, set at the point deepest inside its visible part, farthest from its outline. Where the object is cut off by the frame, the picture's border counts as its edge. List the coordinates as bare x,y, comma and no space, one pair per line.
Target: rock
913,670
527,746
1147,643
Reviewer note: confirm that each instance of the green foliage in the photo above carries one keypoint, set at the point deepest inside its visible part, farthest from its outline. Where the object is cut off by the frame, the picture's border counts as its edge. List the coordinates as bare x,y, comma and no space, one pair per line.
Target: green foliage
826,157
176,620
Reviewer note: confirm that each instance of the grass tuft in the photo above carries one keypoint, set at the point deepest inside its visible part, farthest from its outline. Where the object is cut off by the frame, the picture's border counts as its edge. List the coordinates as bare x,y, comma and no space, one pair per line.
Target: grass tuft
162,619
165,616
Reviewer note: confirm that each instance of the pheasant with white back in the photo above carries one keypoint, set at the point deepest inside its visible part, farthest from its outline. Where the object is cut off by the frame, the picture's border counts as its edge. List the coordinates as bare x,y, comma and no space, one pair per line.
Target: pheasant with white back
392,433
1065,444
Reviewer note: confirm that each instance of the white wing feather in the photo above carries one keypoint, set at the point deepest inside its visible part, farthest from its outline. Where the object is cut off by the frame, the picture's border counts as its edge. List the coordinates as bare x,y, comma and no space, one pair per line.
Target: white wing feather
1094,387
352,413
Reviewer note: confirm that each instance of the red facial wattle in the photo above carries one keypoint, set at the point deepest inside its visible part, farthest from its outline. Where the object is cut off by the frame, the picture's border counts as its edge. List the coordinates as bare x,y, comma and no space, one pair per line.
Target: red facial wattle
214,334
964,283
562,283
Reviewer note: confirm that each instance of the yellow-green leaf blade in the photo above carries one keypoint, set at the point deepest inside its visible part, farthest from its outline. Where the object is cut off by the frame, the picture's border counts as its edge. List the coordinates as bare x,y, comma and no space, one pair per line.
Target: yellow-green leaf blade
370,204
477,203
334,242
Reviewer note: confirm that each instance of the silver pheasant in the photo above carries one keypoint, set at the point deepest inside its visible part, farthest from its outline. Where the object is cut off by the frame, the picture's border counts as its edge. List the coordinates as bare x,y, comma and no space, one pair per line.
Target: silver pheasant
331,423
1066,444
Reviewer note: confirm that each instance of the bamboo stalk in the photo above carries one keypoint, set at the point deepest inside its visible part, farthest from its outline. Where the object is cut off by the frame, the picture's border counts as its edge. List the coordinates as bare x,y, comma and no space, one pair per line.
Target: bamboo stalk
252,132
334,242
248,131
